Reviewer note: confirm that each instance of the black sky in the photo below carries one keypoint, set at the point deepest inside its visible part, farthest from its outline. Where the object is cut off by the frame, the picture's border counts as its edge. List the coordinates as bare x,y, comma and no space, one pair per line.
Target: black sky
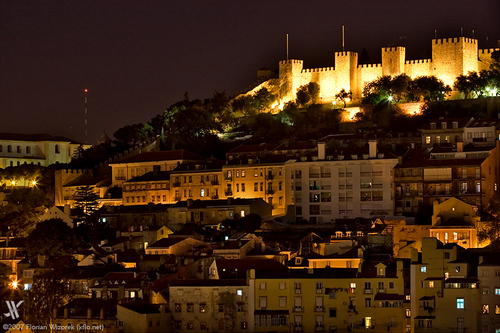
138,57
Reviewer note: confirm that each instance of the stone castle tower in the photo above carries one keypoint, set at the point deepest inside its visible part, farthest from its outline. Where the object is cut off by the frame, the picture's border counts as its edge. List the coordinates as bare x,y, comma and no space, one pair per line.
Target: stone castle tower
451,57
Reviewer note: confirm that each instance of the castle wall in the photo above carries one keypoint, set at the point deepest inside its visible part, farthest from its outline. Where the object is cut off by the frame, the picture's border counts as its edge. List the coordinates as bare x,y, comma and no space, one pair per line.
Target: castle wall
452,57
485,60
416,68
393,60
366,73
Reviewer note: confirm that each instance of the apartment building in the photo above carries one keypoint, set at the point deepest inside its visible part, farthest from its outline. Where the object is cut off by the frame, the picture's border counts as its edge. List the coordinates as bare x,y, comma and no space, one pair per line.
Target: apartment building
257,177
212,305
445,292
141,164
341,183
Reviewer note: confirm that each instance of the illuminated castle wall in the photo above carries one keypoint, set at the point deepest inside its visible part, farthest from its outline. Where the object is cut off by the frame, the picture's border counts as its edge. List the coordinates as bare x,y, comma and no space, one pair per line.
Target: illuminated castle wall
451,57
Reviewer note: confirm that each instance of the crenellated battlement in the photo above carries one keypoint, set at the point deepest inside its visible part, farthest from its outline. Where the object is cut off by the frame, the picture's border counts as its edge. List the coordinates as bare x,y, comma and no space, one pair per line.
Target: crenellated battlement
346,54
393,49
454,40
369,65
322,69
418,61
488,51
291,61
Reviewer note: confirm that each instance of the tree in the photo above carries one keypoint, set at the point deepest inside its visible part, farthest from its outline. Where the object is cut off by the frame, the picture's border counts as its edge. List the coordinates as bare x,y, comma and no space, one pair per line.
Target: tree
85,203
48,292
490,231
53,237
264,99
246,105
308,94
343,96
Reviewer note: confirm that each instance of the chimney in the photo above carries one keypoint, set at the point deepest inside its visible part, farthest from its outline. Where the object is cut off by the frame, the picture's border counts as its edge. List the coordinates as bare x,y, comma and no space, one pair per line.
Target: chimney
66,313
460,147
101,314
400,160
321,151
67,209
89,313
372,150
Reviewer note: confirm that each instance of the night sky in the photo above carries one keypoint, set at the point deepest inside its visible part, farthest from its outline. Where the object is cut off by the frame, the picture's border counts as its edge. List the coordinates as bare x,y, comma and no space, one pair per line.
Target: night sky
136,58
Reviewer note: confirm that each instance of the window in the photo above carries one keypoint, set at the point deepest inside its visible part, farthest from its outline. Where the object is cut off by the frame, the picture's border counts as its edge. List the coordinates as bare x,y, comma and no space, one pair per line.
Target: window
282,301
391,285
203,325
241,307
256,187
282,285
486,309
429,323
333,312
242,173
56,149
297,287
242,187
190,325
408,313
237,173
203,307
190,307
177,307
239,292
202,192
221,307
319,287
352,288
368,302
423,269
428,139
9,149
460,303
431,284
319,304
262,286
244,325
319,323
497,291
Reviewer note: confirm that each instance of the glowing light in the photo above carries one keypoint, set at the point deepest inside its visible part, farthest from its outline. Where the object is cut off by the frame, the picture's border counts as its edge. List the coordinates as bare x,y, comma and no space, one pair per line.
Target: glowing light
33,183
13,183
390,98
13,284
86,90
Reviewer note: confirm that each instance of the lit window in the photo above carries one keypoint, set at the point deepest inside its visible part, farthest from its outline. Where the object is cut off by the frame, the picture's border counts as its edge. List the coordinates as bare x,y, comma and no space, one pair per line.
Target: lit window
202,192
460,303
423,269
262,286
428,139
497,291
486,309
497,309
239,292
431,284
282,285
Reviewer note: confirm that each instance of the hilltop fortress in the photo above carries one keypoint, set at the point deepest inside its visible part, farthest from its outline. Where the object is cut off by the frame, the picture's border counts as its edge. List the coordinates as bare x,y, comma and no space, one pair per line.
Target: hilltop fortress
451,57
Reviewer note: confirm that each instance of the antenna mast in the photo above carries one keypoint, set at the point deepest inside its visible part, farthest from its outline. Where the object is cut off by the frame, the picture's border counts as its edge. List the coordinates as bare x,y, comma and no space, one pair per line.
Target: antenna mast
342,38
85,124
286,46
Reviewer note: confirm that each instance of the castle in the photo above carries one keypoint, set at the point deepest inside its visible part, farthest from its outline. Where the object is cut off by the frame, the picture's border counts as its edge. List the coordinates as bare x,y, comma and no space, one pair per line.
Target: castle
451,57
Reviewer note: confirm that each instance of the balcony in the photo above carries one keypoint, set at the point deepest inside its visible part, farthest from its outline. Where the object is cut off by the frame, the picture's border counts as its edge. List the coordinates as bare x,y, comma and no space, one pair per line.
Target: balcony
319,309
368,291
270,176
298,291
298,309
314,175
214,182
270,191
326,175
214,196
228,193
176,184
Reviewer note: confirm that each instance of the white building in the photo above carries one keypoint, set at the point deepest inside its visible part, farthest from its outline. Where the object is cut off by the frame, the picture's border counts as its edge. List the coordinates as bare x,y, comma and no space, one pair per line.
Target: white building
341,183
38,149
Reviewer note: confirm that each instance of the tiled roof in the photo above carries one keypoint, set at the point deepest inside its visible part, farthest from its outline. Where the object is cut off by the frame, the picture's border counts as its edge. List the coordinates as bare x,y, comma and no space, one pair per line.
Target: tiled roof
209,165
462,122
158,156
165,242
151,176
233,268
216,203
87,181
254,148
209,282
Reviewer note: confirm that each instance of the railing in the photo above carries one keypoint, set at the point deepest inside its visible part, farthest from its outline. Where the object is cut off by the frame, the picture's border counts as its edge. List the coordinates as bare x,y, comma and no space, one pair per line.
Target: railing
326,175
270,191
176,184
229,193
314,175
368,291
215,182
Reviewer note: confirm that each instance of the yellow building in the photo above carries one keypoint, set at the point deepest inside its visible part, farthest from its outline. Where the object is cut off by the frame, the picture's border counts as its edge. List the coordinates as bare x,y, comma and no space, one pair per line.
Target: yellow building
455,221
257,177
197,181
212,305
444,290
331,299
152,187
